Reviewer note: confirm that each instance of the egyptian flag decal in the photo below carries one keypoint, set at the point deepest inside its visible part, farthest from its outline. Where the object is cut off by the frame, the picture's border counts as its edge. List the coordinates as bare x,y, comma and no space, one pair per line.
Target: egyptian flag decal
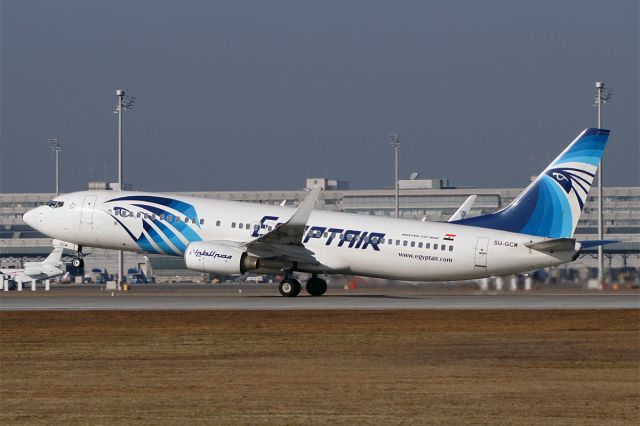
449,237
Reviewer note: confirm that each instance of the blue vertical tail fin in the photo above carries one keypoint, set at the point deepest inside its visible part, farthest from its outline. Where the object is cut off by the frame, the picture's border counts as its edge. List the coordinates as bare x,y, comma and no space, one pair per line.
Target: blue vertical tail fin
551,205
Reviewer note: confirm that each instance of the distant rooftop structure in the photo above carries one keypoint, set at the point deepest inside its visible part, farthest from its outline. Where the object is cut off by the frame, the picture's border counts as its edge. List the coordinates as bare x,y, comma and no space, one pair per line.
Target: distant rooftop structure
423,183
97,185
327,184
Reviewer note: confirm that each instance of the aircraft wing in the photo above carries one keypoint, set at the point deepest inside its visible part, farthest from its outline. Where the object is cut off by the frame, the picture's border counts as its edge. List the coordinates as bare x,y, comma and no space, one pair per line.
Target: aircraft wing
284,241
289,252
292,231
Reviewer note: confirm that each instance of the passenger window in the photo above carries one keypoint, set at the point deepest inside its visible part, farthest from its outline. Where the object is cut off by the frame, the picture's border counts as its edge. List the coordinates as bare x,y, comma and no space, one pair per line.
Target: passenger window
217,223
404,243
201,221
162,216
169,218
413,243
397,242
435,247
420,245
450,248
256,227
427,245
177,218
443,247
233,224
138,215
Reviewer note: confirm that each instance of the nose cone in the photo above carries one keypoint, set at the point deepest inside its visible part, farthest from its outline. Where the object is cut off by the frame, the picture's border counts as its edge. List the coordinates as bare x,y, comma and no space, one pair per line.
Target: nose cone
30,217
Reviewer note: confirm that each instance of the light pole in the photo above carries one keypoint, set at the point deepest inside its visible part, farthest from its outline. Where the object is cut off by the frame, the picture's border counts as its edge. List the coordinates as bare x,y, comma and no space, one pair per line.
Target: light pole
602,96
395,142
55,147
125,103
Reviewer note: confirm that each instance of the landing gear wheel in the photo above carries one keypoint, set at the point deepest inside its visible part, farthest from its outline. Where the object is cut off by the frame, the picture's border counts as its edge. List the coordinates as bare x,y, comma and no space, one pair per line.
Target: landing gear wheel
316,286
290,287
77,262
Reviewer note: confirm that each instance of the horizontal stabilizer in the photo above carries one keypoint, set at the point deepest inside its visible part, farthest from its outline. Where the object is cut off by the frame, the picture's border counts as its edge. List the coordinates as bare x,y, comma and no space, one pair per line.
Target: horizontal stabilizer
556,244
33,272
596,243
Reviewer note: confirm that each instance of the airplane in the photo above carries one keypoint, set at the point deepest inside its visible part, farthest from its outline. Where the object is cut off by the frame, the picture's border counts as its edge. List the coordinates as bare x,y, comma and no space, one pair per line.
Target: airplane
51,267
230,237
463,210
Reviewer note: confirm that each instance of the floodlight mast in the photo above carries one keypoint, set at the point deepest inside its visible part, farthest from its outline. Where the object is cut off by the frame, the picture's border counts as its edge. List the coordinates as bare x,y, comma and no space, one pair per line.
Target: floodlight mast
602,96
54,144
124,103
395,142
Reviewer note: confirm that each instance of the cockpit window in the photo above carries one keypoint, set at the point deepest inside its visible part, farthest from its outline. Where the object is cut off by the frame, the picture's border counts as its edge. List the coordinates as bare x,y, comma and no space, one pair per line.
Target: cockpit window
55,204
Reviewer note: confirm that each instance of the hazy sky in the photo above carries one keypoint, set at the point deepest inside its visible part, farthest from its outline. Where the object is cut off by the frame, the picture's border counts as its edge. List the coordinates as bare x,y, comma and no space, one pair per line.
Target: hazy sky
252,95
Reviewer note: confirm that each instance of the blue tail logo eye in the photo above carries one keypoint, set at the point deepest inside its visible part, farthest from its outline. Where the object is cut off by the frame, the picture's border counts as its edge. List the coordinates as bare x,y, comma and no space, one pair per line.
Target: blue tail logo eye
561,178
573,180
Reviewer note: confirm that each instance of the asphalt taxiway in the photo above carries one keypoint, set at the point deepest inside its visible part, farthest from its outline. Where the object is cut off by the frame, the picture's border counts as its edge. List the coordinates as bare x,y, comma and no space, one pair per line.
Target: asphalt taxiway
235,299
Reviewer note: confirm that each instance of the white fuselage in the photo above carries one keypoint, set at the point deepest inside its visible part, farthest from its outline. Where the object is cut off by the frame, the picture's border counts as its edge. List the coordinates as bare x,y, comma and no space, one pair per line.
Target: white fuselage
398,249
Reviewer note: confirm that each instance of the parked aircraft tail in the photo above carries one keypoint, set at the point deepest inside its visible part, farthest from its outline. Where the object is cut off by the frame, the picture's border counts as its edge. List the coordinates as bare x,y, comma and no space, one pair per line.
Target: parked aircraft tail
551,205
54,256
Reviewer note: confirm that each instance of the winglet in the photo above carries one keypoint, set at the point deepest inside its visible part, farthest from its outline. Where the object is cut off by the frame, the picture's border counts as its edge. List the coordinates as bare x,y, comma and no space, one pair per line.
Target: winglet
292,231
301,216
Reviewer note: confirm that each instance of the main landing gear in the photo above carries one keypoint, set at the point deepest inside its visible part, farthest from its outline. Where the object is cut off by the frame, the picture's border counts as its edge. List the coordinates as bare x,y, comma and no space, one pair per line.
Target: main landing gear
78,261
290,287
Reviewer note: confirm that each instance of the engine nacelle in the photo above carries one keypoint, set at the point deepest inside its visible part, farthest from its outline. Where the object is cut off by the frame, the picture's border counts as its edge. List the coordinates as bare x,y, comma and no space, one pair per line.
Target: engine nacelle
204,256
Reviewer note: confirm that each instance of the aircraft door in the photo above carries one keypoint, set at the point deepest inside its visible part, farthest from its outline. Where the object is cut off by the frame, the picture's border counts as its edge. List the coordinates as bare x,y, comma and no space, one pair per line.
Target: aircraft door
482,246
86,216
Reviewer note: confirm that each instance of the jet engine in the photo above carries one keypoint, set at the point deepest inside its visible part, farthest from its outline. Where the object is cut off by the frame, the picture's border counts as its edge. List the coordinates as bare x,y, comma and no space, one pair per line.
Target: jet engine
219,258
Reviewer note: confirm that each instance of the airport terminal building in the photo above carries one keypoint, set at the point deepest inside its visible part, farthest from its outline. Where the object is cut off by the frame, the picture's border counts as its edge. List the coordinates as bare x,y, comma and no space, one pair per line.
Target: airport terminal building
429,199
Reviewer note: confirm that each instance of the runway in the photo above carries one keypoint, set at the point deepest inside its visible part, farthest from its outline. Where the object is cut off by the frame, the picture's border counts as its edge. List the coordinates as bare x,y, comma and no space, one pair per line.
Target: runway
130,301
